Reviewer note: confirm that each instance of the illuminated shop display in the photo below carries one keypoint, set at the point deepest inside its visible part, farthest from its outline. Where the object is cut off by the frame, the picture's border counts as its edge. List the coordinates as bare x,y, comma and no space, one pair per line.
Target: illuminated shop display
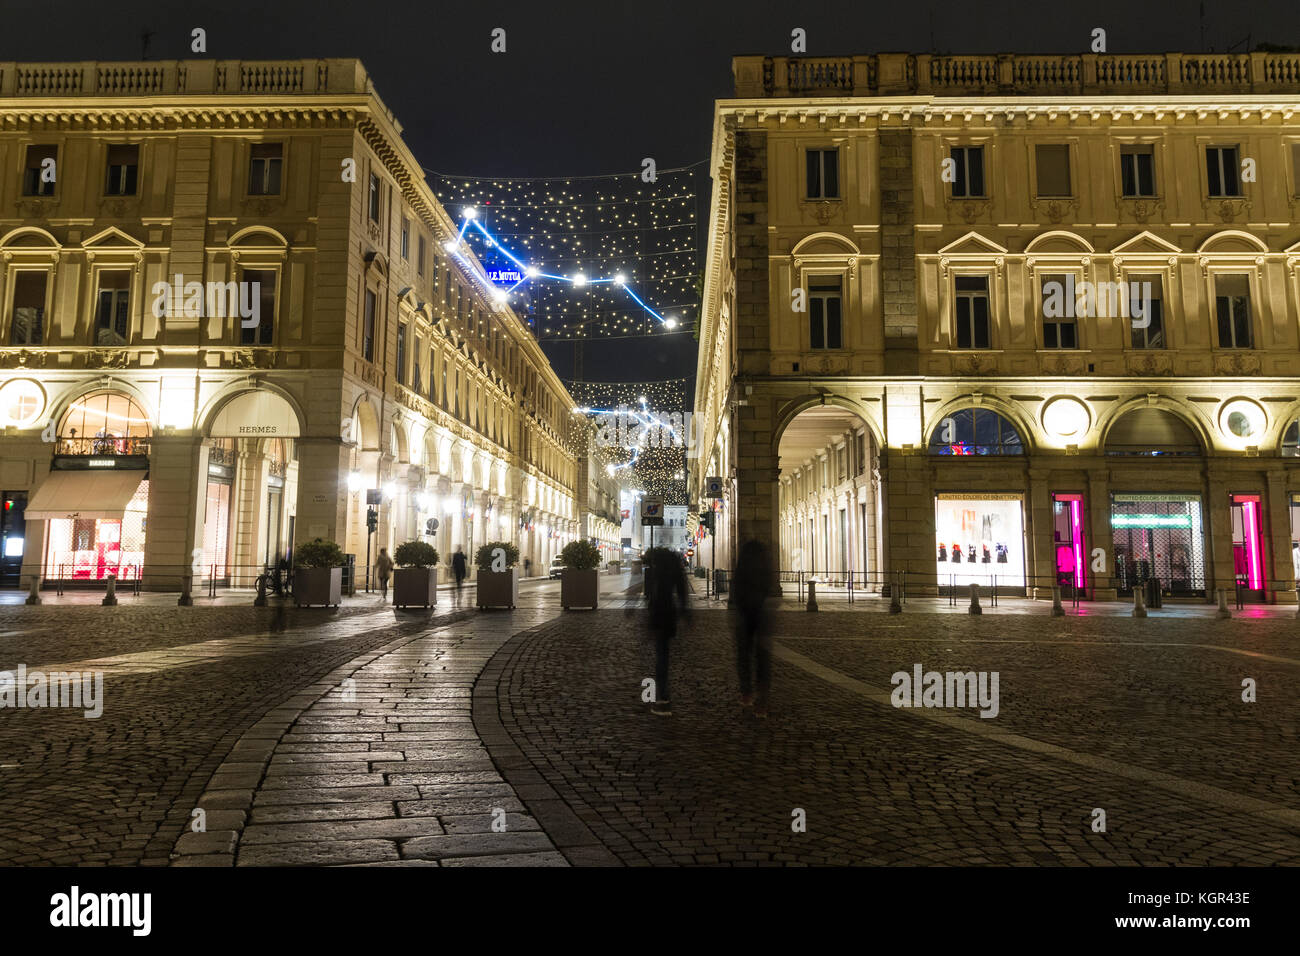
1067,522
1159,536
90,549
979,537
1248,541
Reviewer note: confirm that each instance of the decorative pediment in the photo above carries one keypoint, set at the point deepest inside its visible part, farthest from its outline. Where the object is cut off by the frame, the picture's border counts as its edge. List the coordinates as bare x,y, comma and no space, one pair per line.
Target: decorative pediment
113,239
1145,244
973,244
259,237
29,237
824,244
1059,242
1233,241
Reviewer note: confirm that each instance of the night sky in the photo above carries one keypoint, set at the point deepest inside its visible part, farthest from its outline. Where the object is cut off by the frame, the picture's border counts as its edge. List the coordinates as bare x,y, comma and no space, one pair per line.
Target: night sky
593,88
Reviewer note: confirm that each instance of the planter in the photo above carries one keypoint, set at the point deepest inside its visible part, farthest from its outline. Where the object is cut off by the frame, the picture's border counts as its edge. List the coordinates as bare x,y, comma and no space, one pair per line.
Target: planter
497,588
415,587
317,586
579,588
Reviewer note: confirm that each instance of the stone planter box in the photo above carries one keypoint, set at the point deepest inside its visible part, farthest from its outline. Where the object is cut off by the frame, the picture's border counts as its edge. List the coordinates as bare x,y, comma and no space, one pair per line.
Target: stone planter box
497,588
317,586
579,588
416,587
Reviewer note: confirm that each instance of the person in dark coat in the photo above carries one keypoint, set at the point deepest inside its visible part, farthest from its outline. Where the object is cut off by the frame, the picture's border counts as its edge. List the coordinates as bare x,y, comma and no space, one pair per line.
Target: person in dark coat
752,592
665,594
459,568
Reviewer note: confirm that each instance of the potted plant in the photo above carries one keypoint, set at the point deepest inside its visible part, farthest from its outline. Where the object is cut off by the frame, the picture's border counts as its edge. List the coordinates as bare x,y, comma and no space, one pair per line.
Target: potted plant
415,581
498,585
318,573
580,580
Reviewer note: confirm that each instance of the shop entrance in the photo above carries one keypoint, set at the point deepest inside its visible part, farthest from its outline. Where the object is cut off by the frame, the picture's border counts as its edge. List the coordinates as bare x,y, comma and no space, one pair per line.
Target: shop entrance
1248,546
1068,541
1162,537
980,540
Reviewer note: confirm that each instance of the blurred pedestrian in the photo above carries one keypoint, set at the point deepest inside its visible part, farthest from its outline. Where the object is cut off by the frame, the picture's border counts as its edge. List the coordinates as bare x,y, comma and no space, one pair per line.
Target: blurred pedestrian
665,594
459,569
528,567
752,591
384,567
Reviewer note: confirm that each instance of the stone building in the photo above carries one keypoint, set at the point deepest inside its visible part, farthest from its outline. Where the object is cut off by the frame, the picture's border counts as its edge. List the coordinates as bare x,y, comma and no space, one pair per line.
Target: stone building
231,311
1024,319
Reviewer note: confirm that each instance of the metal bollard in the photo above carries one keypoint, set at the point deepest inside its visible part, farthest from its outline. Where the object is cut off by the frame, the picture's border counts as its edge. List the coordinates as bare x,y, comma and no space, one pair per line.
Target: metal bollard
34,596
110,595
975,600
186,600
896,595
812,595
1057,610
1223,604
1297,600
1139,602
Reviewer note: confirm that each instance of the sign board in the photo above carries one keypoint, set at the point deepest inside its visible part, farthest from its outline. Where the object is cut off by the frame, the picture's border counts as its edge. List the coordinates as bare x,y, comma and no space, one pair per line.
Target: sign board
373,496
652,510
504,276
256,413
713,488
320,499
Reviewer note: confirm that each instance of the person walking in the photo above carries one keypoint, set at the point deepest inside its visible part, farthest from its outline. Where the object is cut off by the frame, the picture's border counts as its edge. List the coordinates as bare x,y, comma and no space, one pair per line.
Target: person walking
751,595
665,592
384,568
528,567
459,569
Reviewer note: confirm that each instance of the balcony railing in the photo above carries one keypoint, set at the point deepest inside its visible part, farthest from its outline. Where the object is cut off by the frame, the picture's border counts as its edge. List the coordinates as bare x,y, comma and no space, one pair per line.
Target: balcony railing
105,447
892,74
162,77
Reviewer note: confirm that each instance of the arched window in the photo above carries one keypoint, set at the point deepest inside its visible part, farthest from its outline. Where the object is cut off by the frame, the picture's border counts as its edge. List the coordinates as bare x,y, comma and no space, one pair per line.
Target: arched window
1152,433
975,431
1291,441
104,423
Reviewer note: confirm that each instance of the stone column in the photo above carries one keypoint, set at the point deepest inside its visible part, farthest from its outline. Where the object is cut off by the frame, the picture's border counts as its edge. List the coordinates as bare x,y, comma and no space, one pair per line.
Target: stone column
178,468
323,497
1098,534
1277,533
1218,515
1040,538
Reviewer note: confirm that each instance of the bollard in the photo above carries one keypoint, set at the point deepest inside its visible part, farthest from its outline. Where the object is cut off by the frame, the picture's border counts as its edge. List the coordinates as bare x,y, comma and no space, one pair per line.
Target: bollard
110,595
896,595
812,595
1139,602
34,596
1297,600
260,600
1057,610
186,600
975,600
1223,604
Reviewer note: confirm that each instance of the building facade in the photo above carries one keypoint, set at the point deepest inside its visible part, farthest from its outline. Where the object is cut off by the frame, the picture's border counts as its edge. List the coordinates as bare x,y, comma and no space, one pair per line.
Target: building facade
234,317
1028,320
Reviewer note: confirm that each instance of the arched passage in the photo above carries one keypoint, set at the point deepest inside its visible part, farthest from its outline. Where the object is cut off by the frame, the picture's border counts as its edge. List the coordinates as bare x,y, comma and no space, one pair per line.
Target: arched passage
828,508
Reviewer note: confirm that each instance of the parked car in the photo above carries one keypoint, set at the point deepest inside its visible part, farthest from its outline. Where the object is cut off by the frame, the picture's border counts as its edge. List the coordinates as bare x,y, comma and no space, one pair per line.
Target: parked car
557,567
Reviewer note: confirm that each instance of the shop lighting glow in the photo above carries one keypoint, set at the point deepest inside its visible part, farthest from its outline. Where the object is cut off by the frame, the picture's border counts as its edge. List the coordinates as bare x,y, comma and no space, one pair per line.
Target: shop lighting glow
1150,521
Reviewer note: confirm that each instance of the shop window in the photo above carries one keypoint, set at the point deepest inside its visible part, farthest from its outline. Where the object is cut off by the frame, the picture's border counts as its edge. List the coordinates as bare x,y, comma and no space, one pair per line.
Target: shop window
41,171
972,312
968,172
975,431
1232,308
1221,168
979,540
264,162
27,319
1159,543
113,308
261,283
106,423
1068,540
1248,542
1146,305
1137,172
1152,433
91,549
123,165
1053,165
824,312
823,173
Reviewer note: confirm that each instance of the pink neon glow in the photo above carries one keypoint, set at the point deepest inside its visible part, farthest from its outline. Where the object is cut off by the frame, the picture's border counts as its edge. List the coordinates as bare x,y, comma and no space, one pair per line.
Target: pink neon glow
1252,545
1076,524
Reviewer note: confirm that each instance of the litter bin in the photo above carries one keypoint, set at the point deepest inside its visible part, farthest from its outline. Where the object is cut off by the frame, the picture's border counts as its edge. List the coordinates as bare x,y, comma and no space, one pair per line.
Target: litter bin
349,574
1153,592
720,581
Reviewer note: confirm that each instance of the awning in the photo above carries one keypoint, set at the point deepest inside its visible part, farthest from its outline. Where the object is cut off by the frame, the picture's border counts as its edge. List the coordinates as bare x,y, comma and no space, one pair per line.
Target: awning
87,494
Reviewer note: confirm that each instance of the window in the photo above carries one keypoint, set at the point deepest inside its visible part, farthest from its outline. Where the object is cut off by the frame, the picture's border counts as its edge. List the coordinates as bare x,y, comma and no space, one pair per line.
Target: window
40,173
123,163
975,431
1059,331
262,282
368,328
824,318
406,240
969,173
1232,306
1145,306
823,173
113,308
1053,170
373,205
401,354
264,164
419,260
1221,168
1295,169
1137,165
27,323
442,394
972,312
417,380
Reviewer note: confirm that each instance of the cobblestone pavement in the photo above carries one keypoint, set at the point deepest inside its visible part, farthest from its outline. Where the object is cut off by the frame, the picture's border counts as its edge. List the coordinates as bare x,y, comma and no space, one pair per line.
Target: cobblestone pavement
182,685
1141,719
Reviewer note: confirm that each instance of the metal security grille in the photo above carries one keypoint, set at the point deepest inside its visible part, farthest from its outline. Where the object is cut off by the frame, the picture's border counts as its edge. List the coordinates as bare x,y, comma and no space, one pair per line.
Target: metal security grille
1159,539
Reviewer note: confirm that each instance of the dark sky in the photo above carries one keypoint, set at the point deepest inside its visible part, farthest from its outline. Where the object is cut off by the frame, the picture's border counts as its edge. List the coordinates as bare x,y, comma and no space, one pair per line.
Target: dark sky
588,88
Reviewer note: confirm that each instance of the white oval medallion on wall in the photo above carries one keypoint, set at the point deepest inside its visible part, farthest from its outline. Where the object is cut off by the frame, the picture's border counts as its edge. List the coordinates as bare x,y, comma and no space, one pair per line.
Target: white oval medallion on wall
21,403
1066,419
1242,422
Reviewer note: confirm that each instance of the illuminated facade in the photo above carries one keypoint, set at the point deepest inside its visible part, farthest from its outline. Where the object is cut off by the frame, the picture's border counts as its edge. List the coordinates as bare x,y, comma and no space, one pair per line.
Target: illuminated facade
1015,318
230,307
